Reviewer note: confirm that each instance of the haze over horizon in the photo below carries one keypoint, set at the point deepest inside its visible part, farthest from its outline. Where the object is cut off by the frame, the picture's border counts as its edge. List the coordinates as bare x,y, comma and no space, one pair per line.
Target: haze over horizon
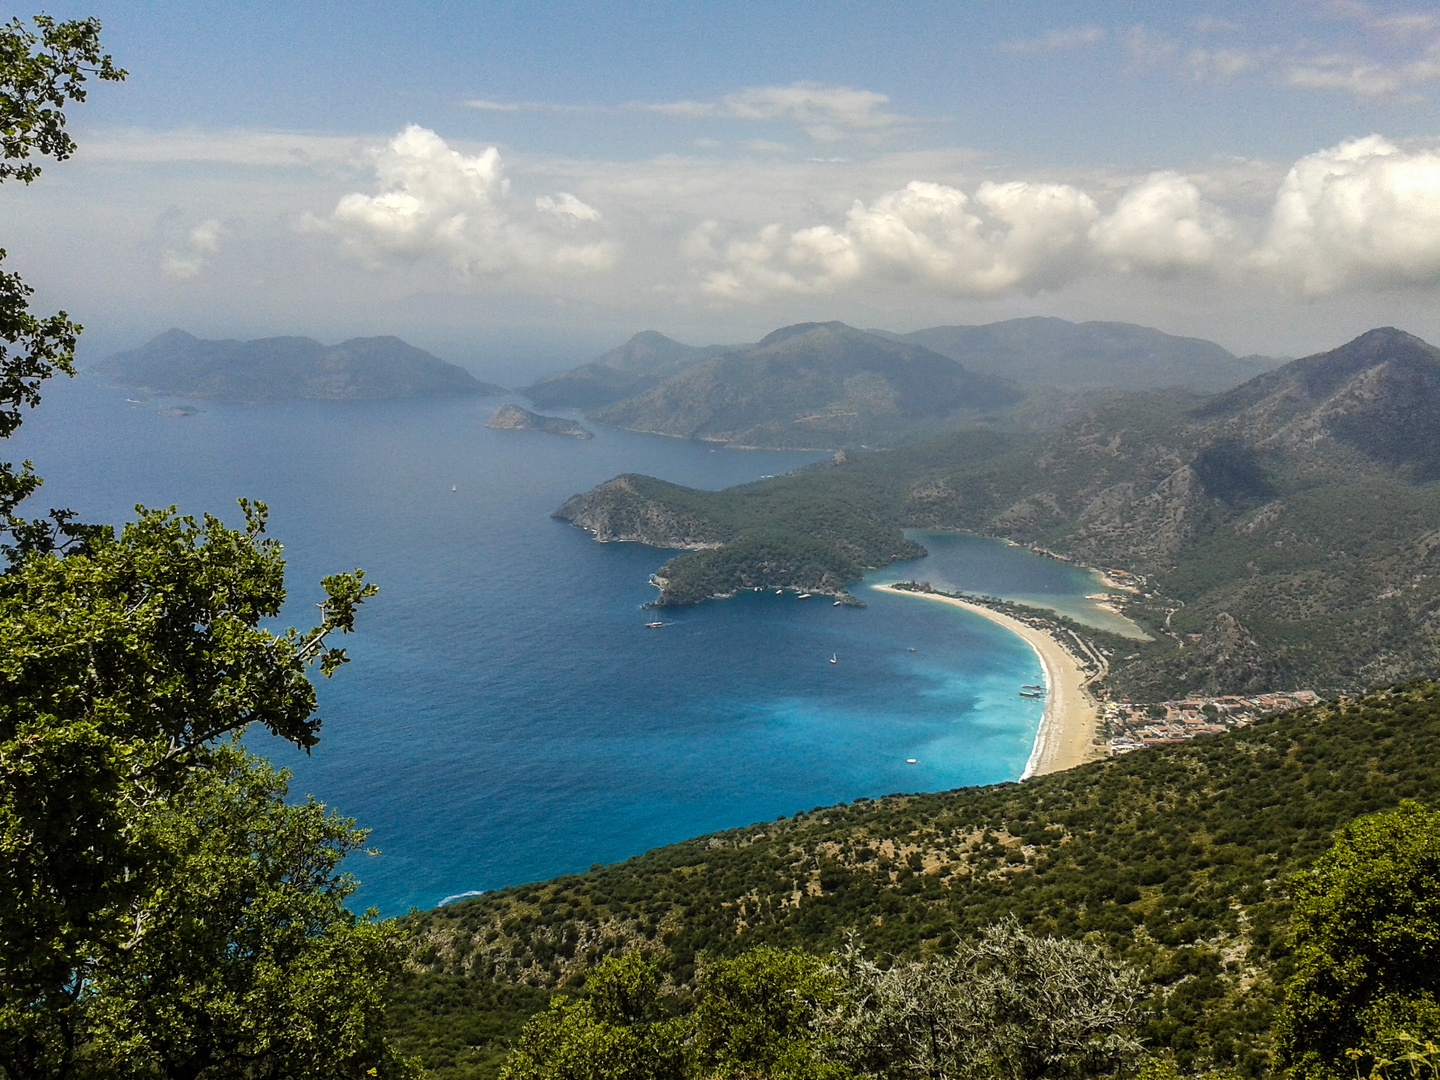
518,191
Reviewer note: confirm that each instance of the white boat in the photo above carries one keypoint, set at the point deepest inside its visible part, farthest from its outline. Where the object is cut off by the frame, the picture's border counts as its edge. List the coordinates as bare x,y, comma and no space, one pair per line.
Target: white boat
837,603
834,659
779,592
909,761
803,596
452,487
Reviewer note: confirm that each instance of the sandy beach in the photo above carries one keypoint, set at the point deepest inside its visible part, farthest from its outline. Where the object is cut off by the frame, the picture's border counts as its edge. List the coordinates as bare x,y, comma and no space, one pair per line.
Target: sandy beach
1067,729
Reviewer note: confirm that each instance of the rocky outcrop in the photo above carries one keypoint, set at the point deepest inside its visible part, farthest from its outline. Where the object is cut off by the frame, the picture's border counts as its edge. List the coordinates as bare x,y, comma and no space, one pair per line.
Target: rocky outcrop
642,510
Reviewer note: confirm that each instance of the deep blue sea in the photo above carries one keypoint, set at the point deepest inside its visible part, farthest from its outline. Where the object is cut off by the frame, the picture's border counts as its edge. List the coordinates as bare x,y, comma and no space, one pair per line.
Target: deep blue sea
507,716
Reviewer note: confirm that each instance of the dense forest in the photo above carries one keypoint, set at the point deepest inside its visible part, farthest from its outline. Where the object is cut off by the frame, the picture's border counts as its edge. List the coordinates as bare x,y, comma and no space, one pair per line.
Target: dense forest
1175,859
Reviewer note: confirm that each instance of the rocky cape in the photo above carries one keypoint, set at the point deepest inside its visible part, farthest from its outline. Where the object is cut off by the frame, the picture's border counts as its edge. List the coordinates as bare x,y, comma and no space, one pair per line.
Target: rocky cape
177,364
514,418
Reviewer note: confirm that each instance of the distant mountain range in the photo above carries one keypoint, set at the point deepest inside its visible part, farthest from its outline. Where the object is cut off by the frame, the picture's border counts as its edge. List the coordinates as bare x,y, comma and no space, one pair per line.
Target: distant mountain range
811,385
646,360
1085,356
1288,529
177,364
828,385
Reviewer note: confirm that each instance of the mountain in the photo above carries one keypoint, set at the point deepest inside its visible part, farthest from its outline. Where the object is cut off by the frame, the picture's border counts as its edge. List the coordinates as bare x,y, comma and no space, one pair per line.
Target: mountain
1175,859
812,385
1055,352
646,359
1047,352
178,364
1287,532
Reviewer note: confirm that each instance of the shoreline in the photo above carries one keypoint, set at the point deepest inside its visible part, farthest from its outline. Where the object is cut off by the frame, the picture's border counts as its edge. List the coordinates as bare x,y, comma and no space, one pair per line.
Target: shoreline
1066,736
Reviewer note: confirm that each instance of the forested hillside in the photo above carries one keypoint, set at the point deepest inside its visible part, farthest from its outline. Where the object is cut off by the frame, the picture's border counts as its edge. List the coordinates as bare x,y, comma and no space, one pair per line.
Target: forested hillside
1175,859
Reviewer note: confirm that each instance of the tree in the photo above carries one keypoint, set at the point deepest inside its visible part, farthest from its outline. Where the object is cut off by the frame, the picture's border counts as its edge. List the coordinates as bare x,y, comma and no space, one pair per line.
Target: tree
1010,1005
753,1016
40,71
1366,939
243,960
163,911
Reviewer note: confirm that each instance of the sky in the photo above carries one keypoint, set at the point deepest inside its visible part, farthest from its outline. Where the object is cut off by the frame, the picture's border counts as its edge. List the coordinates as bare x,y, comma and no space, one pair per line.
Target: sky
518,187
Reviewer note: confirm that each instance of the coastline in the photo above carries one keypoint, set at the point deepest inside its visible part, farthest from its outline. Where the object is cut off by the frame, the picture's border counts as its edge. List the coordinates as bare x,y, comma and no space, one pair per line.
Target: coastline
1066,736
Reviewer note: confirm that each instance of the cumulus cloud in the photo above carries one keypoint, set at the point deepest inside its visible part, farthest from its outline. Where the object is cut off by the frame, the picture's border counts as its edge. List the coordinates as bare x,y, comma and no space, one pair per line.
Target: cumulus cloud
1010,235
1018,235
186,263
826,112
436,205
1365,212
1162,225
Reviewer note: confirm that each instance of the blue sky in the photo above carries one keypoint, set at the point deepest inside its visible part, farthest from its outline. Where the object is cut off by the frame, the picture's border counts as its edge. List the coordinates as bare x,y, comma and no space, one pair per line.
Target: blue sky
521,184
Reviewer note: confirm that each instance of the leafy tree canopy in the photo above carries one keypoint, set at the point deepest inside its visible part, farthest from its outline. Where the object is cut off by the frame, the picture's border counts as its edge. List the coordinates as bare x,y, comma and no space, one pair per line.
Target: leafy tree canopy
1367,948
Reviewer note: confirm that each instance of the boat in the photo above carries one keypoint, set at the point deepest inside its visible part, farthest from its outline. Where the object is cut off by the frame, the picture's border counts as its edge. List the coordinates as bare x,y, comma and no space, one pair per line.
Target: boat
653,625
452,487
779,592
834,659
803,596
837,603
909,761
1030,693
1031,686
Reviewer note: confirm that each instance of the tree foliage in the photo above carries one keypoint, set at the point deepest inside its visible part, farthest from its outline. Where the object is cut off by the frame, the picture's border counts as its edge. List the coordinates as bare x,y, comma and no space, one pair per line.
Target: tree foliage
758,1014
163,910
1367,948
1010,1005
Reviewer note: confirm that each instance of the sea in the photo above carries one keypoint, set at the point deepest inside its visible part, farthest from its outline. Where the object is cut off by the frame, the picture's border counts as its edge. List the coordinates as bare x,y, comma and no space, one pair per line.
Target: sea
507,715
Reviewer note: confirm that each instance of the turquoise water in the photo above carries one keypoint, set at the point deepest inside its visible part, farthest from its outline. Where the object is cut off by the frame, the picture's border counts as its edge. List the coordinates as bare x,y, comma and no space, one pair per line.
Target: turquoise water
508,716
976,564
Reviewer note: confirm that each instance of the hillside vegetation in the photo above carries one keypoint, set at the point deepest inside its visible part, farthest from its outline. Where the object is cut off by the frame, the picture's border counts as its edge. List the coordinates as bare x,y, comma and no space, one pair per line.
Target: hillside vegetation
1288,529
1174,859
178,364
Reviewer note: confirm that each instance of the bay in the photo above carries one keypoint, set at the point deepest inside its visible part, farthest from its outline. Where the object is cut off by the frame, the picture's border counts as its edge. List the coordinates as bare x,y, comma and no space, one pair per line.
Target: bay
508,716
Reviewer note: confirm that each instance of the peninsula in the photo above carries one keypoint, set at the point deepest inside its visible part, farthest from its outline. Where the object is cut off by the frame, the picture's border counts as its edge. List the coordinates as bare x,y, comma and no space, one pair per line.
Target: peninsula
514,418
1280,534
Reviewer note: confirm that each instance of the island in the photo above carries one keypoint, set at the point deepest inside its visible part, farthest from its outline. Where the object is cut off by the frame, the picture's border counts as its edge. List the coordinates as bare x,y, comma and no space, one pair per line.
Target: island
514,418
177,364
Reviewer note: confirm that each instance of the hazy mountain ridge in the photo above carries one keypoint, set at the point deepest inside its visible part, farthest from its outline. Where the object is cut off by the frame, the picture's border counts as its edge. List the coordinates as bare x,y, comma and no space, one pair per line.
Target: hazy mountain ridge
646,359
811,385
1290,528
178,364
827,385
1039,351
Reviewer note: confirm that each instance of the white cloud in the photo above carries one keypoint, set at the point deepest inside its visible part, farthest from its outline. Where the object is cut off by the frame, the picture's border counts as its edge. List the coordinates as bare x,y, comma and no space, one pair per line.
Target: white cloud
1075,37
1011,235
1365,212
1162,225
436,205
826,112
186,264
1363,78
